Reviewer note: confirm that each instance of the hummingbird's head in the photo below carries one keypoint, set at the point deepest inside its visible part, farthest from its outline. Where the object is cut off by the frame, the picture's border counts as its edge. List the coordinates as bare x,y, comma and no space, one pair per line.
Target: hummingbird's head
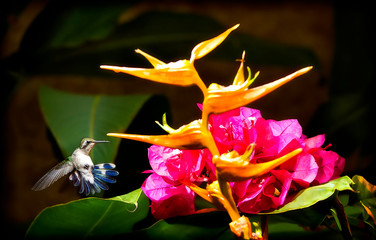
88,143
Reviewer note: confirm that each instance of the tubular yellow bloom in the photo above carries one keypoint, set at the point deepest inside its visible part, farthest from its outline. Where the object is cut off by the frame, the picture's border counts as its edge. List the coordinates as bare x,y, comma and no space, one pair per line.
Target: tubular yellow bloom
181,73
219,199
222,99
186,137
238,168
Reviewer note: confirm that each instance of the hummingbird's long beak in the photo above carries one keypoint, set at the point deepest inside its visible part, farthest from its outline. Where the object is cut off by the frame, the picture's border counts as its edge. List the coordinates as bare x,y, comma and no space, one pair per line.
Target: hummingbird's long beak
101,141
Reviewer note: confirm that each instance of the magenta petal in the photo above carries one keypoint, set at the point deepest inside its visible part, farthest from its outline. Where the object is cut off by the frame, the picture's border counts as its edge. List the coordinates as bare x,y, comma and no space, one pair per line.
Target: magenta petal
176,205
234,130
175,164
156,188
289,126
168,199
314,142
158,154
330,165
250,195
287,130
247,113
283,183
303,169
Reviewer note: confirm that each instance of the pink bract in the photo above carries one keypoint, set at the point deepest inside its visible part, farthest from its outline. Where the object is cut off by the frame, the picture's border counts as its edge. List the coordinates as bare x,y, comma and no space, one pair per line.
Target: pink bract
168,199
176,164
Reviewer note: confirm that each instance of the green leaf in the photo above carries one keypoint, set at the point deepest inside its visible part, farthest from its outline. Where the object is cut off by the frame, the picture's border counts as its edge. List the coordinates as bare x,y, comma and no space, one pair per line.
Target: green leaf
73,25
211,225
91,217
366,196
72,117
166,35
312,195
365,189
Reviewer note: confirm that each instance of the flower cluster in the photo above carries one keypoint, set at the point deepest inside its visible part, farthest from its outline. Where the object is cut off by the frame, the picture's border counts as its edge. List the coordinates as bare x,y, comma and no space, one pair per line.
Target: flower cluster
231,157
235,131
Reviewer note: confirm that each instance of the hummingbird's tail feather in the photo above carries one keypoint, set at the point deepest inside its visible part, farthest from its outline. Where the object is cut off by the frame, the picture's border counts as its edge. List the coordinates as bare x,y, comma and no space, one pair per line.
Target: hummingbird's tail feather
105,173
101,184
105,178
105,166
75,178
96,180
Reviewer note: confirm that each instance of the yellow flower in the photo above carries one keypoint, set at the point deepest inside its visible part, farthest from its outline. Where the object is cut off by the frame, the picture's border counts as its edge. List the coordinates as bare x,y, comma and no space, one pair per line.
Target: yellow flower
207,46
181,73
233,168
221,99
186,137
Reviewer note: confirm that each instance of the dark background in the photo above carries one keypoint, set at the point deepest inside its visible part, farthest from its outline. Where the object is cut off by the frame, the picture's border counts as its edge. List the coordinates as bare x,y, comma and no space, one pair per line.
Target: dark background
62,45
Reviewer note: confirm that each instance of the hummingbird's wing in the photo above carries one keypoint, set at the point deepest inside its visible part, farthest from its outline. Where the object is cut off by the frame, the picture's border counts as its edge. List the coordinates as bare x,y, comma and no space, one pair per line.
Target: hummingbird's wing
54,174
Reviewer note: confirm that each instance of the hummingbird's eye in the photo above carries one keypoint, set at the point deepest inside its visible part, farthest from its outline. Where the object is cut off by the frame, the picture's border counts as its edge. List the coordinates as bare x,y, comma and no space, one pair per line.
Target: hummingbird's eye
86,166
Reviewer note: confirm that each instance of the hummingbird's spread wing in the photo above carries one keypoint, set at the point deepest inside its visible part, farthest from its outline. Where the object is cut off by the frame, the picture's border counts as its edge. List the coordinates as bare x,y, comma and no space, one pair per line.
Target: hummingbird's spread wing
54,174
94,181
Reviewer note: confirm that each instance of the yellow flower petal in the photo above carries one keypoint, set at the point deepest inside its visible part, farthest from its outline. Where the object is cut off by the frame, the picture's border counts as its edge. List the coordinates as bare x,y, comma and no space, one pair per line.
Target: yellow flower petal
219,199
154,61
180,73
226,99
239,78
207,46
186,137
199,191
235,171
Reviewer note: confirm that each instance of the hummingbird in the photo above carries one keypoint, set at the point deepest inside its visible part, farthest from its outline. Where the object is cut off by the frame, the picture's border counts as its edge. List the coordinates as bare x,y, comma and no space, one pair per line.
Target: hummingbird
91,178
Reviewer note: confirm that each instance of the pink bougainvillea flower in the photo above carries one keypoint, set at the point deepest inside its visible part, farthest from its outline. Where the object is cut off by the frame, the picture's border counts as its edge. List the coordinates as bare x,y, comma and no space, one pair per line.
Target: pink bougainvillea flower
241,127
234,132
330,164
168,198
165,186
176,164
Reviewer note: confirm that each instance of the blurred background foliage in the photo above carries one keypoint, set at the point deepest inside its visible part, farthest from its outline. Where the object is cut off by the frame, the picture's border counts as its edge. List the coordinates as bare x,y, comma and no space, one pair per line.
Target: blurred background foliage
62,45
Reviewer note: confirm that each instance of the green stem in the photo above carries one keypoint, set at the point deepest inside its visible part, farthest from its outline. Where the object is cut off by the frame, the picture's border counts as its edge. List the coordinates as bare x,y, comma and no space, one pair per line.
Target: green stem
346,231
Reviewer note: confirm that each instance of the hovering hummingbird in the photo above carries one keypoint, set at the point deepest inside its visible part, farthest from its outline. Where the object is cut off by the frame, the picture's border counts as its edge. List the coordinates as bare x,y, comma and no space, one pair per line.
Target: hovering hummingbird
92,177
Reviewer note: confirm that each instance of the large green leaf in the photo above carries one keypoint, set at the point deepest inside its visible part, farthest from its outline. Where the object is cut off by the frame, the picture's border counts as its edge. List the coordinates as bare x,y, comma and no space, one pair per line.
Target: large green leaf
166,35
72,117
91,217
65,26
312,195
211,225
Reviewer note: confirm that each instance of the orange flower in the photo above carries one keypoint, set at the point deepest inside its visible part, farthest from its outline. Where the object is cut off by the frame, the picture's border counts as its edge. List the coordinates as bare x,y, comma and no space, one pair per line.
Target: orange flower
186,137
221,99
181,73
233,168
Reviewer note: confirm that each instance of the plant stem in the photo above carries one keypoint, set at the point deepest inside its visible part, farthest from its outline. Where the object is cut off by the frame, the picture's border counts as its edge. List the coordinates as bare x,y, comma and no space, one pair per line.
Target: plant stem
264,227
342,217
